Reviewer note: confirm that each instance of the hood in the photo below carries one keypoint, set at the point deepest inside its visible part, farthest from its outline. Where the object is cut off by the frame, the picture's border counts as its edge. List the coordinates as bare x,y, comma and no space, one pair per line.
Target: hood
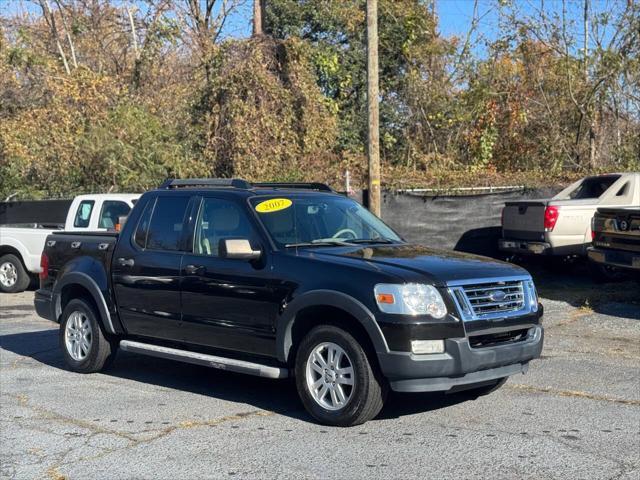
441,266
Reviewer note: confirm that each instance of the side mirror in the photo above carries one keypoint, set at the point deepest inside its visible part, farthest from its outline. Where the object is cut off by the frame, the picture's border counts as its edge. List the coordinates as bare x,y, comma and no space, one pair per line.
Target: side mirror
238,248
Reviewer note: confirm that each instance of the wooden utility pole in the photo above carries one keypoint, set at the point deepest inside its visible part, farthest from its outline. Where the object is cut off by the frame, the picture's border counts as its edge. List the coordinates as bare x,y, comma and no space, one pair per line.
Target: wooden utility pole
258,11
373,144
592,126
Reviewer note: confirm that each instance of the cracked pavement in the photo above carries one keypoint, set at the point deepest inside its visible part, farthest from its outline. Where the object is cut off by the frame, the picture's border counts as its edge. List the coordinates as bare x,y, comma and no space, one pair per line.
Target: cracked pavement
576,414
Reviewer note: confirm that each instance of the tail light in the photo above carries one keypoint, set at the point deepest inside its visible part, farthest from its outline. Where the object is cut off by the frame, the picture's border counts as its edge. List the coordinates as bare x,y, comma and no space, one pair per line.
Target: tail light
551,215
44,266
593,229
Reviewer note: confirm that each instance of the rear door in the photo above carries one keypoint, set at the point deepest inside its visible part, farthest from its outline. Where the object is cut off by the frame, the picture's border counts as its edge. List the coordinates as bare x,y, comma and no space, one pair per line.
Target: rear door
228,303
146,268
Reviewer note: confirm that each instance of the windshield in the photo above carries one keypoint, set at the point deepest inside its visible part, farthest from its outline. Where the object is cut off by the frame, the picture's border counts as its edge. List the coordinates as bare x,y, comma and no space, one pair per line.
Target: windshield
302,220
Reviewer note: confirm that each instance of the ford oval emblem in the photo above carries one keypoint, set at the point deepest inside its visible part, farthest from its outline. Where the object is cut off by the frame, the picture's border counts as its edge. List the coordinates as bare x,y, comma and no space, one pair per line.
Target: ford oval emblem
498,295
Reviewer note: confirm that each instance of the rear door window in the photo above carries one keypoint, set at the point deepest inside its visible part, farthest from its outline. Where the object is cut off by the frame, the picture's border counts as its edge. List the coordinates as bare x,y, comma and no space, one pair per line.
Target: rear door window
111,212
83,215
167,223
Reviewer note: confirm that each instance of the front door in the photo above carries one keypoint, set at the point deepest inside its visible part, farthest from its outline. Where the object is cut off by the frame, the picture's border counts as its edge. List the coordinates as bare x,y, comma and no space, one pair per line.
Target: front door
146,269
227,303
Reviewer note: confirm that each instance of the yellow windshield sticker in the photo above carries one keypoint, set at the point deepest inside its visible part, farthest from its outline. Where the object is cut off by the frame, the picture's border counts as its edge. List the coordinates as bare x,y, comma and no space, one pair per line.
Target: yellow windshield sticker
273,205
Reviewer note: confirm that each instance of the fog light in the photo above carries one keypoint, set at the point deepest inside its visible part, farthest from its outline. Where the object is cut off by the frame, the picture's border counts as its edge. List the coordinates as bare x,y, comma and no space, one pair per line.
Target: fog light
427,346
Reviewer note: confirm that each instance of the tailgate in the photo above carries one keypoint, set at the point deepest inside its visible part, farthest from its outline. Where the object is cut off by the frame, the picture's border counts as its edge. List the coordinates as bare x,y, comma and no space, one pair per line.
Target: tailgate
617,229
524,220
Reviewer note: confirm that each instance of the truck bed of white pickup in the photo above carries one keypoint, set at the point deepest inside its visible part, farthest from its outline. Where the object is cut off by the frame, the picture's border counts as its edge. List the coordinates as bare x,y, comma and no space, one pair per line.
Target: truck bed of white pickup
21,245
562,225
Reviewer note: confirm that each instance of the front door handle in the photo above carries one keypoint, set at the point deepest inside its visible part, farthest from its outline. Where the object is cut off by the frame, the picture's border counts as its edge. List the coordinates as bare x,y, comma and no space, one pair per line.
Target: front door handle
125,262
194,269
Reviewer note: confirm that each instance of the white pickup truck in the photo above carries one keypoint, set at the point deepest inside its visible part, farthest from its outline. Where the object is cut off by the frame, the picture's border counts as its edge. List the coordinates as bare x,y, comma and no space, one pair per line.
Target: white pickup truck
21,245
562,225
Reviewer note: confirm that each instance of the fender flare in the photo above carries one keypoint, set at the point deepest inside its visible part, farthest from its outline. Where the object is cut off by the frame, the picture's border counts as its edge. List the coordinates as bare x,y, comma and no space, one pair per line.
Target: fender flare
84,280
326,298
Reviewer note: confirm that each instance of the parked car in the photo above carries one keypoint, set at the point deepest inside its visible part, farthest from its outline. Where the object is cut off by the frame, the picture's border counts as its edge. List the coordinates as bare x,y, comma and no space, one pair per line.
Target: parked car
21,244
562,225
616,242
282,280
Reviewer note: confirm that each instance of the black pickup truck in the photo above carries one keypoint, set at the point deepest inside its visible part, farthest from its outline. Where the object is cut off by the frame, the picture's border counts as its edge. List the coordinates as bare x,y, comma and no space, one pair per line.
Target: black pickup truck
289,280
616,242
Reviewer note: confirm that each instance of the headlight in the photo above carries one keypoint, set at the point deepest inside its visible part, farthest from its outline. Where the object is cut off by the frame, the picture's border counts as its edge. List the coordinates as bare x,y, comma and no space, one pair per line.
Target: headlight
533,295
410,299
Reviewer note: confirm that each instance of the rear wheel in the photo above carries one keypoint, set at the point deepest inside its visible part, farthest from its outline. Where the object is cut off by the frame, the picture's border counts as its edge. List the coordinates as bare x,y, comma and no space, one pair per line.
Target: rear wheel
13,276
605,273
84,345
335,379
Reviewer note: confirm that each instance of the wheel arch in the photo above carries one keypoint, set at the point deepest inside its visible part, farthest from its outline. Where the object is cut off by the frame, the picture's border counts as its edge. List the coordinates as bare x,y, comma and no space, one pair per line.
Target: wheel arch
313,308
11,250
79,285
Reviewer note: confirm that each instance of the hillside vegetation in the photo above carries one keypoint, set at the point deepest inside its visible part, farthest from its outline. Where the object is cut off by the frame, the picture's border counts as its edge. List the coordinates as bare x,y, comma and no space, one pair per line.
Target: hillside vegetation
117,96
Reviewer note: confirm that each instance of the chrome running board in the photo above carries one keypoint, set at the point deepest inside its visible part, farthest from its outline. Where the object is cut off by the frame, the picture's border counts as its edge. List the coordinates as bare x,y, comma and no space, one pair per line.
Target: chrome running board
221,363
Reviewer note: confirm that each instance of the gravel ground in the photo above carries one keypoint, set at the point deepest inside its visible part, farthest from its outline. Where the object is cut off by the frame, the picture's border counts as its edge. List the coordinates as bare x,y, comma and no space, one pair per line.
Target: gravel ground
576,414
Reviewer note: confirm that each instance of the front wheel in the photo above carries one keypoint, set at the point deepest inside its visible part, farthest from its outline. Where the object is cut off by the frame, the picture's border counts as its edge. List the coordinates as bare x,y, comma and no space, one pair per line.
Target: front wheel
335,379
84,346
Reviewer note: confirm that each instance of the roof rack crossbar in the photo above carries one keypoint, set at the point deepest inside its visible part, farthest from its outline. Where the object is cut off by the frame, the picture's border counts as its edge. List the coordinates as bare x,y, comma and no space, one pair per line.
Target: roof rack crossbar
323,187
206,182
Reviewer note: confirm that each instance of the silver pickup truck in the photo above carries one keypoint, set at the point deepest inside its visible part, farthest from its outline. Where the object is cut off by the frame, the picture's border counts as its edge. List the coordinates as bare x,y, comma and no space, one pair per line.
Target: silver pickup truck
561,225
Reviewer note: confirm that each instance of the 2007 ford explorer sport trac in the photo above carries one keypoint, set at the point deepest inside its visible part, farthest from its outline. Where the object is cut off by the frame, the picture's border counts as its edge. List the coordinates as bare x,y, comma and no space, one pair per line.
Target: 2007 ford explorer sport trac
282,280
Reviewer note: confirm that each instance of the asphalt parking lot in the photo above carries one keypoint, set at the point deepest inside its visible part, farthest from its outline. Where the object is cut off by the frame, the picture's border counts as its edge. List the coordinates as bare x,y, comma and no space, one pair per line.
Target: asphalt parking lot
576,414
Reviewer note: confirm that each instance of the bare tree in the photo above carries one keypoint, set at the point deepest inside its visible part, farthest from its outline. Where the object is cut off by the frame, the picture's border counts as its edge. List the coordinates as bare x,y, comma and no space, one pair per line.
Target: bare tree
50,18
204,21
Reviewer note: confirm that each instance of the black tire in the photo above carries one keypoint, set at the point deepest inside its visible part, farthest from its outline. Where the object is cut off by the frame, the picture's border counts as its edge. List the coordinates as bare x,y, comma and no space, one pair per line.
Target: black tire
605,273
22,279
101,352
368,393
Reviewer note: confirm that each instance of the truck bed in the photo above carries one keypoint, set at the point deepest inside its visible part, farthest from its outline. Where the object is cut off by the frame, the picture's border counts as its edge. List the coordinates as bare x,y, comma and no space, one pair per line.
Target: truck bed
63,247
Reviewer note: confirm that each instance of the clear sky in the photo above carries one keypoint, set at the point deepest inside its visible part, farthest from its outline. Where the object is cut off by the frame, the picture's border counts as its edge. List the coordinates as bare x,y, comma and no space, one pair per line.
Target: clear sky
455,16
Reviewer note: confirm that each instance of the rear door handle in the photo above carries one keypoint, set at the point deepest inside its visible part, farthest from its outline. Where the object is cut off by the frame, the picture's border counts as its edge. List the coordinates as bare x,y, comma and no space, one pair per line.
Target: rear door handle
125,262
194,269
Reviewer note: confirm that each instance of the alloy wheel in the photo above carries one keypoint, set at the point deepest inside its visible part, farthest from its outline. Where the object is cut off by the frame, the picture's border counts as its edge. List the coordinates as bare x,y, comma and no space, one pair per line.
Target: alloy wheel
330,376
8,274
78,336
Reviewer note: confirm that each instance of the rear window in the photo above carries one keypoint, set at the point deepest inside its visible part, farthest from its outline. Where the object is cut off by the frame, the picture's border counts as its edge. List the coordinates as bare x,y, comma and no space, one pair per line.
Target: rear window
167,220
83,215
593,187
111,212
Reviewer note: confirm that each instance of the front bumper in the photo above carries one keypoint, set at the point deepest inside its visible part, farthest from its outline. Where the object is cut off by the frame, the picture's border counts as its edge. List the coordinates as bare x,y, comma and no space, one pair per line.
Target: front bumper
460,365
615,258
524,247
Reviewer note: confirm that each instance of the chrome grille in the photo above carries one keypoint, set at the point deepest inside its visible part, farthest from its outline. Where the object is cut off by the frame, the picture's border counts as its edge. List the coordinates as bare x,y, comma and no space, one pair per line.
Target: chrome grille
494,298
482,297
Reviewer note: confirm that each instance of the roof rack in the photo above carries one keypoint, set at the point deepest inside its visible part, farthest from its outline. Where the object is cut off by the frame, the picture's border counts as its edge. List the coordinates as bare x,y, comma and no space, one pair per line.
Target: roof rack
322,187
205,182
239,183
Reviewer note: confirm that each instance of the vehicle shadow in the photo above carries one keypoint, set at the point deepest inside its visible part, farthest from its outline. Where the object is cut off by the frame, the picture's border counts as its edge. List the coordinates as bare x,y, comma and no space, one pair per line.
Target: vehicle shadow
571,282
278,396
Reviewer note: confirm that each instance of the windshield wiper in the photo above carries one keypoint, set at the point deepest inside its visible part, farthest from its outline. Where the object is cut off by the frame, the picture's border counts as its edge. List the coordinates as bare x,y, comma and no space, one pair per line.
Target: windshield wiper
321,242
371,240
